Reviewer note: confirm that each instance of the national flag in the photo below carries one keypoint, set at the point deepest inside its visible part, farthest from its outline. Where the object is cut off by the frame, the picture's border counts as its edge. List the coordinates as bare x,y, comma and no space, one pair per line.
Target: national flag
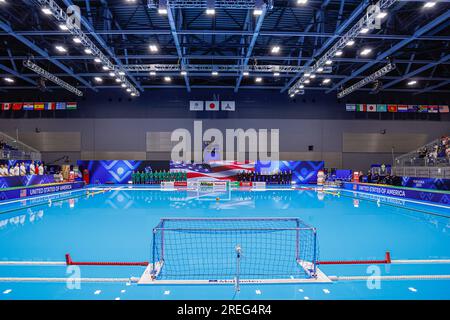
350,107
28,106
392,108
228,106
196,105
371,108
60,106
17,106
38,106
402,108
433,109
413,108
71,106
212,105
443,109
381,107
423,108
361,107
50,106
6,106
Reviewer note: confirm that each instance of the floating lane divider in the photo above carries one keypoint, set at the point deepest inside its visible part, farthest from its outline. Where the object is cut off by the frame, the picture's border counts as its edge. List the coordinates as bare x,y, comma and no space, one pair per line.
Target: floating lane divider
387,260
70,262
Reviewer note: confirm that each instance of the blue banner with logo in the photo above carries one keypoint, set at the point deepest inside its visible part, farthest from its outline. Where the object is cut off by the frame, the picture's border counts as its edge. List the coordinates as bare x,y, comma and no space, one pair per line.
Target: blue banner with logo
38,190
24,181
303,172
426,183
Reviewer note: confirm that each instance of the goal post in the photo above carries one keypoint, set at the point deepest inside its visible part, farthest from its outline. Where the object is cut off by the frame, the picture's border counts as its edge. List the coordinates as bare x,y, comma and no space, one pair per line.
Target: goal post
221,250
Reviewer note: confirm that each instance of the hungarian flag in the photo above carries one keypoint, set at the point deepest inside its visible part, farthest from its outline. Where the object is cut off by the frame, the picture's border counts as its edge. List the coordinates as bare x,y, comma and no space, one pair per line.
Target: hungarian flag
381,108
350,107
50,106
412,108
17,106
28,106
60,106
212,106
443,109
402,108
423,108
38,106
71,106
361,107
372,108
6,106
392,108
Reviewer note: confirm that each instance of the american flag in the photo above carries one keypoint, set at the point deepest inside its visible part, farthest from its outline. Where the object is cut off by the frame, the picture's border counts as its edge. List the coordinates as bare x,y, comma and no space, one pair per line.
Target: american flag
214,170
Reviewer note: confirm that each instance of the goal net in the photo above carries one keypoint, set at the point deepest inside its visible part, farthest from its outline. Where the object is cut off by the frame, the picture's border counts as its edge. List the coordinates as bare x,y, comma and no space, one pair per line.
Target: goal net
220,250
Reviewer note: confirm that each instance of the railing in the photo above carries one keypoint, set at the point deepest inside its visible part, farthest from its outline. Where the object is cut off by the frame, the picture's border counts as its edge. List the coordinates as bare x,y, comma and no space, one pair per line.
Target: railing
19,151
413,159
423,172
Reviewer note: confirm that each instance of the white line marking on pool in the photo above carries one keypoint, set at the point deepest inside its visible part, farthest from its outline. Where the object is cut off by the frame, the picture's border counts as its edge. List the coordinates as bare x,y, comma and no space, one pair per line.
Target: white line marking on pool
412,289
7,291
258,292
326,291
97,292
167,292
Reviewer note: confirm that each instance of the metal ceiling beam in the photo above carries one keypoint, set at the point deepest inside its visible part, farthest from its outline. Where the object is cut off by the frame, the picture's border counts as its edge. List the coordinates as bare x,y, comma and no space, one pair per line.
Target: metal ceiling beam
355,14
417,71
382,56
255,35
173,30
44,54
431,88
103,44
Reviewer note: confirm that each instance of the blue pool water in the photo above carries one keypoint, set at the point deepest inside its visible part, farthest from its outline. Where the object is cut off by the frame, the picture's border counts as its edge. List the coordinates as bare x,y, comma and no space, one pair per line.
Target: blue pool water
117,226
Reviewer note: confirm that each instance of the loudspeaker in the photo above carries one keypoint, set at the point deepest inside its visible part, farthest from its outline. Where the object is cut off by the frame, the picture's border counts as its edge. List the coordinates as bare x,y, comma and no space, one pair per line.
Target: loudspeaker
310,148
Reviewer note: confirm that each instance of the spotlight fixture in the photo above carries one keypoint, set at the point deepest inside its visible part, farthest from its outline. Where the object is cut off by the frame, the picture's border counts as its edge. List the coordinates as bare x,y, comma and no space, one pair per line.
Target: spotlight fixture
412,82
152,73
121,73
329,62
183,73
276,74
429,4
302,1
61,49
326,81
63,27
307,81
106,68
257,12
76,40
9,80
313,76
167,79
382,15
153,48
366,51
276,49
258,79
97,60
88,51
46,11
112,74
98,79
350,43
215,73
123,85
245,73
210,12
364,30
320,69
338,53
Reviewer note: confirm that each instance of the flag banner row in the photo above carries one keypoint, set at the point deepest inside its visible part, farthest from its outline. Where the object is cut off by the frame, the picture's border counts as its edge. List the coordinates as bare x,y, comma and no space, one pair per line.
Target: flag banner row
417,108
212,106
38,106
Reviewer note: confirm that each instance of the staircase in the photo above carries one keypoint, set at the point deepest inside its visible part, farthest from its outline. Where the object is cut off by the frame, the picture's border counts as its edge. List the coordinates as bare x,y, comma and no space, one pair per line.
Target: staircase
12,149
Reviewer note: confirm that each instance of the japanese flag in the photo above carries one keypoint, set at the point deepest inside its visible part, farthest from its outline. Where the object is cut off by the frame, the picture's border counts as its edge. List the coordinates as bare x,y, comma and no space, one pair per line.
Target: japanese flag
212,106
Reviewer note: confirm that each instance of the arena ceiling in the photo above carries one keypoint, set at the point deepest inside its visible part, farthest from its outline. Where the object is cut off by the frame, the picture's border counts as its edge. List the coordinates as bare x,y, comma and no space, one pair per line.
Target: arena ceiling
245,44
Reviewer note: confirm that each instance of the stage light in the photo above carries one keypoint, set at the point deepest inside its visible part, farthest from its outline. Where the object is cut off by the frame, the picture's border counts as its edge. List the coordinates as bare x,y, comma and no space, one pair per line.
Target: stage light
9,80
77,40
338,53
153,48
128,90
246,73
302,1
307,81
320,69
106,68
88,51
350,43
210,12
167,79
46,11
258,79
63,27
412,82
123,85
382,15
364,30
61,49
152,73
429,4
257,12
276,49
97,60
121,73
313,76
301,86
326,81
183,73
112,74
307,74
215,73
98,79
329,62
366,51
276,74
118,80
162,11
